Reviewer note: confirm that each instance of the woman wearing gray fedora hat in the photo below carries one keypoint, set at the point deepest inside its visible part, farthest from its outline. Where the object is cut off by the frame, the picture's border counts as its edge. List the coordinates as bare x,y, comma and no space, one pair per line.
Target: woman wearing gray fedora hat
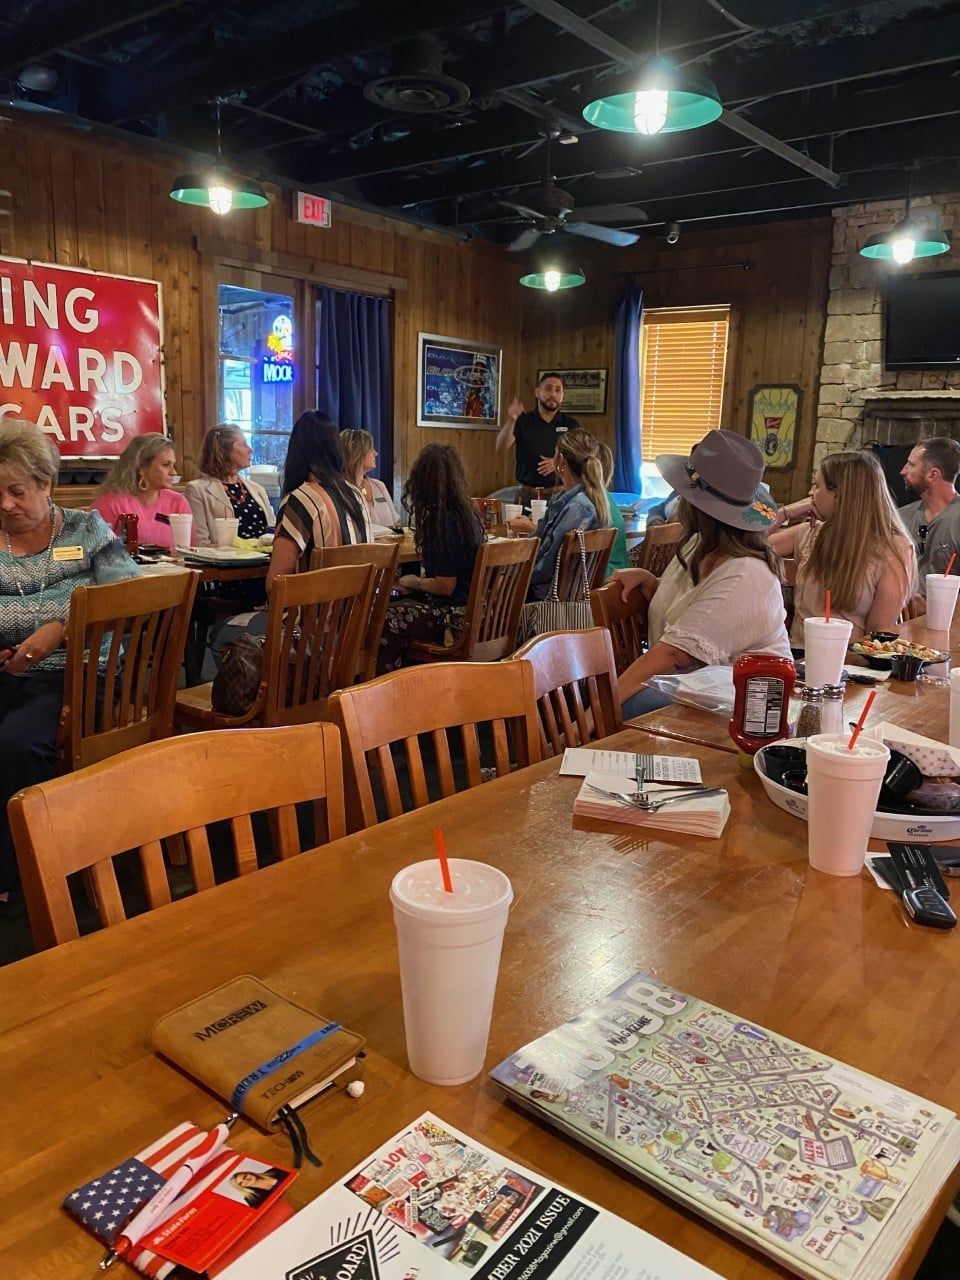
721,596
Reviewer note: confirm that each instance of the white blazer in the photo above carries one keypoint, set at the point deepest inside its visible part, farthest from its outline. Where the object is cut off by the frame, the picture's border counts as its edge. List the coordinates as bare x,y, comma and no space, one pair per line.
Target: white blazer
208,502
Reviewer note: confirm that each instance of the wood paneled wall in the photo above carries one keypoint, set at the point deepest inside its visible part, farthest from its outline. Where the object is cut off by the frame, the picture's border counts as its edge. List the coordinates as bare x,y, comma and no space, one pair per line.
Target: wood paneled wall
104,205
777,318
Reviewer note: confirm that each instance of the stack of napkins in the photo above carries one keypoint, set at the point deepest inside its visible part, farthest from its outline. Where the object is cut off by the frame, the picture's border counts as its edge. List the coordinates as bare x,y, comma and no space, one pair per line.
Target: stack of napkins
698,816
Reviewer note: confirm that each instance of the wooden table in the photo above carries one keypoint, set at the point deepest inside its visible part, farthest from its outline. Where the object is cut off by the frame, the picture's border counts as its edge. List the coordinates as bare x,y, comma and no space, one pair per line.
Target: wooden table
738,921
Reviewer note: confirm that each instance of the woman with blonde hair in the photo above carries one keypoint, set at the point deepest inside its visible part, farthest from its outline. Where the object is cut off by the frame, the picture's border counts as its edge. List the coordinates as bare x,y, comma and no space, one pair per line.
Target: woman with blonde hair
580,503
141,484
359,459
858,548
221,493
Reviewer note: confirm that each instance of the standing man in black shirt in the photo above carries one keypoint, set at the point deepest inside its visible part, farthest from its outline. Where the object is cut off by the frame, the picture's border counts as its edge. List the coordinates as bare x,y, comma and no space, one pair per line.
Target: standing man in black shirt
534,432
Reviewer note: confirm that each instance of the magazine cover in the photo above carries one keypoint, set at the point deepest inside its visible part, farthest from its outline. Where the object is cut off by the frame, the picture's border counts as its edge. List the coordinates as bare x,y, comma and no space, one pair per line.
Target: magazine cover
812,1161
432,1204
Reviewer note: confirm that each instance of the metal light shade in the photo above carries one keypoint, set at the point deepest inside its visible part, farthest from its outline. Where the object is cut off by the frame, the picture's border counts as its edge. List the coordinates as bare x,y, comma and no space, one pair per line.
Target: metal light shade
196,188
691,101
552,279
928,237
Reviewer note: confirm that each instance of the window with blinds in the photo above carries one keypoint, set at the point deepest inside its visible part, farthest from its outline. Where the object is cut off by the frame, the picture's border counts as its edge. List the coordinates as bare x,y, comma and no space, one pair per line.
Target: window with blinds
683,354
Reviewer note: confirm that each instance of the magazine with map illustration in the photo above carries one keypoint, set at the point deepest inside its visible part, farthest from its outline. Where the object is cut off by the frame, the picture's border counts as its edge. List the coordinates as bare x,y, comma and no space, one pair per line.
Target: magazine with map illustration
826,1168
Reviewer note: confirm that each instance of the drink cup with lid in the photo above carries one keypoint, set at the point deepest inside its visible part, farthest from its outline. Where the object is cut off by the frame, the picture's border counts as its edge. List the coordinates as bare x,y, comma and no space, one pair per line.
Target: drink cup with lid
843,785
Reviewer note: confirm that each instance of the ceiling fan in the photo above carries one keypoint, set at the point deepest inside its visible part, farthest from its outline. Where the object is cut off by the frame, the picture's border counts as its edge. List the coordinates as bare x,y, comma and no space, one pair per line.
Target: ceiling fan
550,208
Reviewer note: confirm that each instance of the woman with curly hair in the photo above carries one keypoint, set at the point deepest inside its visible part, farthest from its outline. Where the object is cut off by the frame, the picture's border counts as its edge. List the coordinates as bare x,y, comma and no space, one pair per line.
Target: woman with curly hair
448,535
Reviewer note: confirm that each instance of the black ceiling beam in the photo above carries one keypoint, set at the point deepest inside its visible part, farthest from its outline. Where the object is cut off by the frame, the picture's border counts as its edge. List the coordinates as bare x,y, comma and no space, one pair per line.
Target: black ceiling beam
315,44
77,25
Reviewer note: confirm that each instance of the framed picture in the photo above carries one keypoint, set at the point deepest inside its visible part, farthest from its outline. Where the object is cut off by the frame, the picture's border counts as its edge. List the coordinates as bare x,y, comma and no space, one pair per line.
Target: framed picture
584,390
458,382
774,412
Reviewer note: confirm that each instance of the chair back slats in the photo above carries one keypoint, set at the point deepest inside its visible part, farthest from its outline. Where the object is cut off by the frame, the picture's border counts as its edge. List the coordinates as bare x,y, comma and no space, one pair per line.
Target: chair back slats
597,546
483,706
123,660
625,620
174,790
659,546
383,557
575,682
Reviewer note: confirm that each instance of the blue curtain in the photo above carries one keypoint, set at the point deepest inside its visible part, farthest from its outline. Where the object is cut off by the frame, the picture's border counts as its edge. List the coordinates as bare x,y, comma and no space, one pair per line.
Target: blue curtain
628,474
355,369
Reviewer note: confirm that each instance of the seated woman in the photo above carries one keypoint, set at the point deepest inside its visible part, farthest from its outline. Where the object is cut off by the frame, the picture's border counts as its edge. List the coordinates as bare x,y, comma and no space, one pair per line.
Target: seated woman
360,458
220,493
448,535
858,547
721,596
618,556
141,484
39,568
319,507
581,503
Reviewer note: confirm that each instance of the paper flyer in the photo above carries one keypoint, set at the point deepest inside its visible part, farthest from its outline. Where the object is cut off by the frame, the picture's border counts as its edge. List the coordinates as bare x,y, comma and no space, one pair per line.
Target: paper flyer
432,1204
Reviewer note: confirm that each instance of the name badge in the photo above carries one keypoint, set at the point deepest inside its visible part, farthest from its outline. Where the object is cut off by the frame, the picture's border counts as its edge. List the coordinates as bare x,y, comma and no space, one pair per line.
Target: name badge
67,553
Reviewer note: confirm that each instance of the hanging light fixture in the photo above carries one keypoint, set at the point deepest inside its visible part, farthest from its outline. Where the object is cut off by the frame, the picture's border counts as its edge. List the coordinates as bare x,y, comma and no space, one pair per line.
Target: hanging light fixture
554,277
917,236
666,100
216,189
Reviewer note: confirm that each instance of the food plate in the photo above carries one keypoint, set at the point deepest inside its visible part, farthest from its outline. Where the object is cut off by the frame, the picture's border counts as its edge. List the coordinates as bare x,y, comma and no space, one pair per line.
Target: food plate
223,555
918,825
880,654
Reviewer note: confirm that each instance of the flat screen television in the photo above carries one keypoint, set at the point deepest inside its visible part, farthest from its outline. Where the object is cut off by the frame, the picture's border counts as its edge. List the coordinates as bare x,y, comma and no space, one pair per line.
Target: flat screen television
923,321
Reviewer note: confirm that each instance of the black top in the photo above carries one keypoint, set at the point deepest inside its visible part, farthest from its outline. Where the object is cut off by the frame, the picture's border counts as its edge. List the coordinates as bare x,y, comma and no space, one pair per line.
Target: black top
535,439
455,559
252,517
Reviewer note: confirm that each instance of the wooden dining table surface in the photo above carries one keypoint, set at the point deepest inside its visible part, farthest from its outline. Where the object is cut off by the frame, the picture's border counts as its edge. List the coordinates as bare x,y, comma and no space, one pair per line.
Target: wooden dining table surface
740,921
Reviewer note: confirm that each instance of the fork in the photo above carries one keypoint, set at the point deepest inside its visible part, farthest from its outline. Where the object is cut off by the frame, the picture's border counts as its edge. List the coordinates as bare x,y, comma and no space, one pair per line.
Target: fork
644,802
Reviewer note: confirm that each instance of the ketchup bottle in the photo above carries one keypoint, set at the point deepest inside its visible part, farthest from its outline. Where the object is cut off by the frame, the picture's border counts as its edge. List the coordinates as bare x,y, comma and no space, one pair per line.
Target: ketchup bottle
762,685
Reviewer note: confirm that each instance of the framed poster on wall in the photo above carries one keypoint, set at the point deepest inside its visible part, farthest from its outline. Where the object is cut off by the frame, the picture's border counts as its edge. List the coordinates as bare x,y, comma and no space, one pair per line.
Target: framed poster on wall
458,382
584,390
81,355
773,416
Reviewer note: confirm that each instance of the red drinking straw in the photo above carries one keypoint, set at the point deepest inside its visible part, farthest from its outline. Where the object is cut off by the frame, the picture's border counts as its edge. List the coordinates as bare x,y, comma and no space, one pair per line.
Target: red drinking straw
946,572
826,605
441,848
863,715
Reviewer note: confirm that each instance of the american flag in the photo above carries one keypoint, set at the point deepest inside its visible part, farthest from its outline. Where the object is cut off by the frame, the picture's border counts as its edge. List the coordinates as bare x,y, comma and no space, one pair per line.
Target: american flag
109,1201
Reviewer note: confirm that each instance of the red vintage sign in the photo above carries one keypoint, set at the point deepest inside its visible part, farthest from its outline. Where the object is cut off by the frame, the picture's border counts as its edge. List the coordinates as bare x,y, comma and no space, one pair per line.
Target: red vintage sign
80,355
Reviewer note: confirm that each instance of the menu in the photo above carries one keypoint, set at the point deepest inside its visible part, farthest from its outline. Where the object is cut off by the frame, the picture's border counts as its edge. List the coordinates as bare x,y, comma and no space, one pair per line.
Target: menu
432,1203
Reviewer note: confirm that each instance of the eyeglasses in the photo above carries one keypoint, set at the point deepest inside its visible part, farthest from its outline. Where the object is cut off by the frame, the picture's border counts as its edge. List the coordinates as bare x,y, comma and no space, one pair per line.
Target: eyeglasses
922,532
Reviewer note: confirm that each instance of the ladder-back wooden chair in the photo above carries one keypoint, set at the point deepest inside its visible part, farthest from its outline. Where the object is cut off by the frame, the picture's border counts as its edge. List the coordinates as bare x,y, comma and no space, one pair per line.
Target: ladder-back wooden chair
315,625
659,546
597,545
125,649
501,578
383,556
487,708
626,622
575,680
176,788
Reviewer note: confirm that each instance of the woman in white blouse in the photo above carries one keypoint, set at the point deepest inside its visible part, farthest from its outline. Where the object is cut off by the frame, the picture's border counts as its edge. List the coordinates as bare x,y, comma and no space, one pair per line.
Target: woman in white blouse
721,596
359,459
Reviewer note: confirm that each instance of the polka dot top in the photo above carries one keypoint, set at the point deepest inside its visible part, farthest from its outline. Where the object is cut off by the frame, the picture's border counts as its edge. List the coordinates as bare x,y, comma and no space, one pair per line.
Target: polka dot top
252,517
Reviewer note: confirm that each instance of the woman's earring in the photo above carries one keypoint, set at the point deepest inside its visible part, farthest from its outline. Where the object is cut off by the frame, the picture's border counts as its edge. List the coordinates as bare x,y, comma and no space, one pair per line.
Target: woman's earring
142,485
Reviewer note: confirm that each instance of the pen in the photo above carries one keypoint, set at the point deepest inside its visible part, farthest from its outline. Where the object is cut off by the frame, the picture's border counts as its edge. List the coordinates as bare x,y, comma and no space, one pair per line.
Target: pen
143,1221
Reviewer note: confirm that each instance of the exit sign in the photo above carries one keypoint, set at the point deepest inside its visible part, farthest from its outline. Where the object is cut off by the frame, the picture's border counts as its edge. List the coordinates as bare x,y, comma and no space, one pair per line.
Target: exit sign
313,210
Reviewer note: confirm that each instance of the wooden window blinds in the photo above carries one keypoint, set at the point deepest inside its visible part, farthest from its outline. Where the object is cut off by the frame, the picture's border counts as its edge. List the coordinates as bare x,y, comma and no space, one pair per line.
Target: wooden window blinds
683,354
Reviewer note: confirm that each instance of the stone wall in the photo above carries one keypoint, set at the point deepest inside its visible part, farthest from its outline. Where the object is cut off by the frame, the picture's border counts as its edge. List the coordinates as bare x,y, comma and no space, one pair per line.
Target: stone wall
852,369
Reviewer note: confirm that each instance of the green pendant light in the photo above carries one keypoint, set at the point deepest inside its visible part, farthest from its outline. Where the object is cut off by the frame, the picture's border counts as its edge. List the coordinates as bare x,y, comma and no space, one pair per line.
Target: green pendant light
554,277
667,99
216,189
917,236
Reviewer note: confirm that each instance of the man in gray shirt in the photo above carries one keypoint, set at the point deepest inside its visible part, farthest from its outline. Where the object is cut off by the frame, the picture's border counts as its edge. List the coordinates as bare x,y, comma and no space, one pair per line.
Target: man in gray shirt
934,521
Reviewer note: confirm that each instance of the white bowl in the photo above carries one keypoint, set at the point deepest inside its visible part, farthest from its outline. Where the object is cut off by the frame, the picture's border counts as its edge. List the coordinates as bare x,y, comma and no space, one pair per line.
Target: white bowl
886,826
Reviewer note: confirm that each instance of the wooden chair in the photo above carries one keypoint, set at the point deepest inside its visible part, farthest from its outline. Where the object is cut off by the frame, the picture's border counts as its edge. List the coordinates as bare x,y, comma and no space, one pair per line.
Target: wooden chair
570,667
383,557
498,589
139,627
598,544
627,623
389,714
315,629
175,788
658,547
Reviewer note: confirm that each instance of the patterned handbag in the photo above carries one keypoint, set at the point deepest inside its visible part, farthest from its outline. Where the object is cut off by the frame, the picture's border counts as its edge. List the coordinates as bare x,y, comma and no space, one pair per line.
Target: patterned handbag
554,614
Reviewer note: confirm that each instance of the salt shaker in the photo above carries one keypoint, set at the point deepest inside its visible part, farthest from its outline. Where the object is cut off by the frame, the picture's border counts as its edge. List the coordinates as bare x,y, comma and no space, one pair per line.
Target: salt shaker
831,709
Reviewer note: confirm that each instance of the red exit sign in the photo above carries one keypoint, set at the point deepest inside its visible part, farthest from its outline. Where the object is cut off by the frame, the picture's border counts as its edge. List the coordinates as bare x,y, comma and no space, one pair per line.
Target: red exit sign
314,210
